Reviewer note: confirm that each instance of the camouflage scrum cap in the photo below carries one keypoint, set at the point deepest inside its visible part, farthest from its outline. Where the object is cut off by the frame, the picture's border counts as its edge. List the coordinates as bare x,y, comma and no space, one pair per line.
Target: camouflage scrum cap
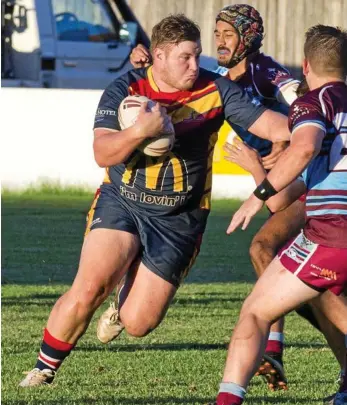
248,23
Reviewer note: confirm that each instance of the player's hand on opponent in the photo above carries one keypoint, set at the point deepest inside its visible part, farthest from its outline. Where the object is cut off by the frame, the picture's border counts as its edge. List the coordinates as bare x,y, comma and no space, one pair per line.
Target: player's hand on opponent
277,149
140,57
245,213
151,122
240,153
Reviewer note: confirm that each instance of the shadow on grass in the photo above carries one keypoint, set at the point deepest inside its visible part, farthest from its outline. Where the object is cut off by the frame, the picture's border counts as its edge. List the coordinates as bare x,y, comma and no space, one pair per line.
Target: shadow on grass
49,299
32,299
156,401
130,347
154,347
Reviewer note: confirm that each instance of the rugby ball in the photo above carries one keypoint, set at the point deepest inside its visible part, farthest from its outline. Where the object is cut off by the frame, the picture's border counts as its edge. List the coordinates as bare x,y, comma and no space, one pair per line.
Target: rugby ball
128,112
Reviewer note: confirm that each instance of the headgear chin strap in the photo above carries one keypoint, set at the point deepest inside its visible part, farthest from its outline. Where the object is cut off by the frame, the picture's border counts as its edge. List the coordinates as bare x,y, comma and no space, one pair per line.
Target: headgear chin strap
248,23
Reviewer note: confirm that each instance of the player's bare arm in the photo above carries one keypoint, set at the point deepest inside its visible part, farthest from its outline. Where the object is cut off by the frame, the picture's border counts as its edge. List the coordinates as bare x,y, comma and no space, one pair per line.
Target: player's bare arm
247,158
112,147
287,196
272,126
277,149
305,145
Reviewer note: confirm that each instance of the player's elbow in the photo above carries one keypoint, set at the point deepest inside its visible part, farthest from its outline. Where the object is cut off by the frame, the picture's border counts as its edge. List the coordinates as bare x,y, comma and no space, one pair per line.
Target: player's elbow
102,156
105,161
272,126
306,152
99,158
275,205
100,162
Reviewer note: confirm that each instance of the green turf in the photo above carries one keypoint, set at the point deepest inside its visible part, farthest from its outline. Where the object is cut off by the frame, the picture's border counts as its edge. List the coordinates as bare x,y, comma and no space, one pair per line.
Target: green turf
179,363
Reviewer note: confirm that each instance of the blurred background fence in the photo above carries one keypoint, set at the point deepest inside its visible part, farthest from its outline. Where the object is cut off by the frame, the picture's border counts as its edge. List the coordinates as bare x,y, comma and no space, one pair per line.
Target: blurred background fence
285,21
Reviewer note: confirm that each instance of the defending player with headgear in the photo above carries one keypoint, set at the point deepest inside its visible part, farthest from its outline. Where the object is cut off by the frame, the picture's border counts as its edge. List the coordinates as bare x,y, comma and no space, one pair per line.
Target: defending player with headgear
248,25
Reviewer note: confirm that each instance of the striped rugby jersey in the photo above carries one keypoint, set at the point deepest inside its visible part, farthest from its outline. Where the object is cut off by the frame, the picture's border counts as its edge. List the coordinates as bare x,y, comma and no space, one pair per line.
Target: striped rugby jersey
263,80
326,175
182,178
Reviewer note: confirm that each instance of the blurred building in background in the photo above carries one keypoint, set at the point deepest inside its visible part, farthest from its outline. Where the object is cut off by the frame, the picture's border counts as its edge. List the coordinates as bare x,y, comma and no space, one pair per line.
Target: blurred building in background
86,43
285,21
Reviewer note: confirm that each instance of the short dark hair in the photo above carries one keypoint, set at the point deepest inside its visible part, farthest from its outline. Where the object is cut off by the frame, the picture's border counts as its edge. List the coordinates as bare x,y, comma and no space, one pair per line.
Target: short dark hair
173,30
326,50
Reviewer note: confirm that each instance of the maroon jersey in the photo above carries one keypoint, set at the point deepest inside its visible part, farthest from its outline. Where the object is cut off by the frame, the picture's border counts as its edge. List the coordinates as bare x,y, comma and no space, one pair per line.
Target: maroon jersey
326,175
263,80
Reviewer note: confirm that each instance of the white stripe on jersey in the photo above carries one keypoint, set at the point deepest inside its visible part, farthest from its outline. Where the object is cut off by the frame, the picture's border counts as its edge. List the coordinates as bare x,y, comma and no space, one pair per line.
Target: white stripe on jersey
307,124
321,99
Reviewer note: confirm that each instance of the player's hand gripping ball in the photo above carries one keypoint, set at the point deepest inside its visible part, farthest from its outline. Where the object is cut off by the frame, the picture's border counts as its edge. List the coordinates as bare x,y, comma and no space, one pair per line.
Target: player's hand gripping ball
128,112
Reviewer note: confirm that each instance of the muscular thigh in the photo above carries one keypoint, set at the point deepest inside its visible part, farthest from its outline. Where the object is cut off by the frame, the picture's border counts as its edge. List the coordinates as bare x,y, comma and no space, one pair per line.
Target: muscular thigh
147,297
106,255
111,242
277,292
282,226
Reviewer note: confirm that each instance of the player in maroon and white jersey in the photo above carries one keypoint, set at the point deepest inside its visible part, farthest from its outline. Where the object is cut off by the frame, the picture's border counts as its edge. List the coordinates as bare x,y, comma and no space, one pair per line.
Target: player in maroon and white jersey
314,263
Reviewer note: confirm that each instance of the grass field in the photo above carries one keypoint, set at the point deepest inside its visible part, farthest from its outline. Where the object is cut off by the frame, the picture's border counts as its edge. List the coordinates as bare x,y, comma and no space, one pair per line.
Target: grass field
179,363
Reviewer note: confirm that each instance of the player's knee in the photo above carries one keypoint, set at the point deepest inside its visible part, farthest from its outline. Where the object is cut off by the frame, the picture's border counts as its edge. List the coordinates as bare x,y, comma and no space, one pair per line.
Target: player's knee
138,325
90,297
261,253
250,321
138,329
254,311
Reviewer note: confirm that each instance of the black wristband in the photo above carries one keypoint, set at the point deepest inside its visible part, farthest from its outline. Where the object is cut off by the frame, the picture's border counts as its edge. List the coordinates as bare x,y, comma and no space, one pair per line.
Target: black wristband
265,190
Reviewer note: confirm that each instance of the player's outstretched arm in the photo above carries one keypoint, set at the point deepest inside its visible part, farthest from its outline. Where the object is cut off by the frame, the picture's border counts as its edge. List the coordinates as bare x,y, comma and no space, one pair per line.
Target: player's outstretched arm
272,126
112,147
240,110
287,196
305,145
246,157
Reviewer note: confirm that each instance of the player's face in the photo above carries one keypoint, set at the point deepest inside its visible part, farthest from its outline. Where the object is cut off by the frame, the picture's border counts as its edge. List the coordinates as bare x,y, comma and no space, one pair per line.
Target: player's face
181,64
227,41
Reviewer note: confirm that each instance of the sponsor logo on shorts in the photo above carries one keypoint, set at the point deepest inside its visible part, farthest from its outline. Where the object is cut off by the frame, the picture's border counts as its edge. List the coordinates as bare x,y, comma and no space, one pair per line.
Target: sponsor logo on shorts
328,274
324,273
96,221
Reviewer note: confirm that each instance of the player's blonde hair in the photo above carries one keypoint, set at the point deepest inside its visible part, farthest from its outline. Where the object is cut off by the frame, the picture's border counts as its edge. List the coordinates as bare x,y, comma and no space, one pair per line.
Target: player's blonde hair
326,50
174,29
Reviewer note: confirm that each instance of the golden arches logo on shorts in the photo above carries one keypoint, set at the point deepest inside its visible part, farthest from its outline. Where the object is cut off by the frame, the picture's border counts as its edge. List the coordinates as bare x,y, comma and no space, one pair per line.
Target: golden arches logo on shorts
161,173
328,274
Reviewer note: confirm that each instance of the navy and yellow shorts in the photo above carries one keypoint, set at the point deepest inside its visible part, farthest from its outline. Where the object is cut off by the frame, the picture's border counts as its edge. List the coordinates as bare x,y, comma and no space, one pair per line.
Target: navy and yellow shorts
167,251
